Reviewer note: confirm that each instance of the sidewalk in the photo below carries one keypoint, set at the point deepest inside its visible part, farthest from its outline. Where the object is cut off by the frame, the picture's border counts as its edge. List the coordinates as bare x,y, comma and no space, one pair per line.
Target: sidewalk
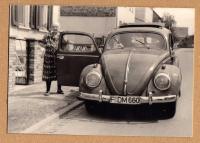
27,105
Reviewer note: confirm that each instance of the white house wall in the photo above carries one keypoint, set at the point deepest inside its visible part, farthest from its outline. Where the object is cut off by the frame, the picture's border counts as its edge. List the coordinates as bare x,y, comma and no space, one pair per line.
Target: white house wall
125,15
56,15
148,15
98,25
143,14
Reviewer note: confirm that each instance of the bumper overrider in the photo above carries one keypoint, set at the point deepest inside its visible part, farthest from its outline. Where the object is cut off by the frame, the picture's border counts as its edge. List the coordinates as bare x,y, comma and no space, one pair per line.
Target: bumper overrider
132,100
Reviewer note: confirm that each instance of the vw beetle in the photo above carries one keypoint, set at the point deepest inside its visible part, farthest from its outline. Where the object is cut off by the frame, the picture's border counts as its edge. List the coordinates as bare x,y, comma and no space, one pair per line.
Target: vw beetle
136,66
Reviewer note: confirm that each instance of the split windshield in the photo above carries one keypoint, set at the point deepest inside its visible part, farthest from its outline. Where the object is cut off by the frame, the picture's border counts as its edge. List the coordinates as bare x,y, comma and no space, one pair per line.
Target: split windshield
136,40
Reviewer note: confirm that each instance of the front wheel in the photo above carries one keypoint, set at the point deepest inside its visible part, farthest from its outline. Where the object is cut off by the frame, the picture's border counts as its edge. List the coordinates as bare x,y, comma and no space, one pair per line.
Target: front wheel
93,107
168,109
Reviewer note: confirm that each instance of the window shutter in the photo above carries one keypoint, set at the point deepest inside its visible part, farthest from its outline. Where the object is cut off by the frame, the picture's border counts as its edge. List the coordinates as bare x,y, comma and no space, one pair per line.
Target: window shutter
20,15
14,14
45,17
37,17
40,16
50,17
33,16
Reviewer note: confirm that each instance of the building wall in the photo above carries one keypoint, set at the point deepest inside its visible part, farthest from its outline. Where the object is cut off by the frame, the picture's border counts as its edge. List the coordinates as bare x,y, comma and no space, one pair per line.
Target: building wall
94,20
181,32
94,25
125,15
139,14
35,62
148,15
143,14
23,33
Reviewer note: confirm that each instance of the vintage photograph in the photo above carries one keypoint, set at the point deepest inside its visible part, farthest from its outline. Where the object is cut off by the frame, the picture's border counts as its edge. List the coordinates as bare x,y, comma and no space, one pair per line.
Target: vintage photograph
107,71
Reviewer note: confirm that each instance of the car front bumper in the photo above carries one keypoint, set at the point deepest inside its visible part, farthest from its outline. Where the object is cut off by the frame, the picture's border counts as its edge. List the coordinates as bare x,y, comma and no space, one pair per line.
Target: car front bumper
150,99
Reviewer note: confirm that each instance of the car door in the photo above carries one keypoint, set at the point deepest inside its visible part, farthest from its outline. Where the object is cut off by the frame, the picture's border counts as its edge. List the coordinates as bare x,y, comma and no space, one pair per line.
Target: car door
76,50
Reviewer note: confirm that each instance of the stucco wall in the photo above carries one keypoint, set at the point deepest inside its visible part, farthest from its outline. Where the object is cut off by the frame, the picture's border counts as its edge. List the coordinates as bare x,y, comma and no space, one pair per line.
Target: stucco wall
148,15
125,15
139,14
98,25
143,14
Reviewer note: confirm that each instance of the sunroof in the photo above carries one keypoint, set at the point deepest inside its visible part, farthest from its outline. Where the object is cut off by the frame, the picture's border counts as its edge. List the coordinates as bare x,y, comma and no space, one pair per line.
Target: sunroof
156,25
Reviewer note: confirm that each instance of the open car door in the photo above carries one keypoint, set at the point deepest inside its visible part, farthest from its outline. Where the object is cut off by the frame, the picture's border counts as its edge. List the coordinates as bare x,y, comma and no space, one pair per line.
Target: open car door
76,50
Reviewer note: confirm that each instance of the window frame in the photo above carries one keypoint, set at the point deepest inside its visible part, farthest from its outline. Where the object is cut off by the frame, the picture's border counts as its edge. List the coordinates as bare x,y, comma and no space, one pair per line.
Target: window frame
117,33
60,49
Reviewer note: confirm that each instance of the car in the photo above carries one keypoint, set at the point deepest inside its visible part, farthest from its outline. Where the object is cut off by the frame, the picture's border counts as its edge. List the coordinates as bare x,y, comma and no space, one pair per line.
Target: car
136,66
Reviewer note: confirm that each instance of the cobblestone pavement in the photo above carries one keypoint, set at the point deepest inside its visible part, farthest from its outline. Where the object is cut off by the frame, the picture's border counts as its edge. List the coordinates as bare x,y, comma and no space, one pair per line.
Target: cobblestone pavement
28,105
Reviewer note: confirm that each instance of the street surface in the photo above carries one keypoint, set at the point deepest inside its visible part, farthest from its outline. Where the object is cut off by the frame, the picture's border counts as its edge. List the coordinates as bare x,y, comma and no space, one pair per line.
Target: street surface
132,122
27,105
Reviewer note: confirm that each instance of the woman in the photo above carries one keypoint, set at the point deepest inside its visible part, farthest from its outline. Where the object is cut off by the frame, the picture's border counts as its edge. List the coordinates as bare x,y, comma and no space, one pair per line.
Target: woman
50,42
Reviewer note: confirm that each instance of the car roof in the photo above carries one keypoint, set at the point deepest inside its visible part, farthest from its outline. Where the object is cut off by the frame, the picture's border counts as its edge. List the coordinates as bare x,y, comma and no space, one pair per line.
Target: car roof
139,24
146,27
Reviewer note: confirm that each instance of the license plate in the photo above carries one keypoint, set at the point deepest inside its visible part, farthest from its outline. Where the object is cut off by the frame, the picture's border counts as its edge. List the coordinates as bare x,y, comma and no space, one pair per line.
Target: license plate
125,99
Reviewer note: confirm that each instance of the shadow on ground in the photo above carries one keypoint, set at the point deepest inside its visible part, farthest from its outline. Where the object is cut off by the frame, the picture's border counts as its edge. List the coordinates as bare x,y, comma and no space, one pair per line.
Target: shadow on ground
138,113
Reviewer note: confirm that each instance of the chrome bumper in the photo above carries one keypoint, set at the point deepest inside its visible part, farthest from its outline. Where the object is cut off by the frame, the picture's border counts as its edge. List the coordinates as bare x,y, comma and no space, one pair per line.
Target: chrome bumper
143,99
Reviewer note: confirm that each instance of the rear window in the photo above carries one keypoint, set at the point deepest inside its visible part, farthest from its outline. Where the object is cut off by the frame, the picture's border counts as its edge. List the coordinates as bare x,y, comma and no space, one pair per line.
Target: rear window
75,43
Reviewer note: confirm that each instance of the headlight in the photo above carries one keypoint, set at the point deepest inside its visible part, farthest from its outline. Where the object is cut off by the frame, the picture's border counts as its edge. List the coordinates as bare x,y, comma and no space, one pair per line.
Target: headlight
93,79
162,81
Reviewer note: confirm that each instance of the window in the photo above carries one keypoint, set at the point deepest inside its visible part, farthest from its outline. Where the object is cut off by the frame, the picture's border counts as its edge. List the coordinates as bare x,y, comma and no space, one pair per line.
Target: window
74,43
20,16
136,40
32,16
50,17
41,17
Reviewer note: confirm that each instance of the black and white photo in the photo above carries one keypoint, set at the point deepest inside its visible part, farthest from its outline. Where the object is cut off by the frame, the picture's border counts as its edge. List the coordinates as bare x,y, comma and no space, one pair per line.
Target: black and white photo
88,70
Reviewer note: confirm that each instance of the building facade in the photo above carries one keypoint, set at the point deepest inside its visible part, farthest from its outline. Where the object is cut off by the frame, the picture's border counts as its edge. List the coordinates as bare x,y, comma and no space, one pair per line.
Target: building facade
181,32
28,25
99,21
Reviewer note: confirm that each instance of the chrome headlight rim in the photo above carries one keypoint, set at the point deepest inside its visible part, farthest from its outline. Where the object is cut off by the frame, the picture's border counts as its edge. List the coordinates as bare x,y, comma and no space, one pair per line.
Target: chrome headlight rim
162,74
97,74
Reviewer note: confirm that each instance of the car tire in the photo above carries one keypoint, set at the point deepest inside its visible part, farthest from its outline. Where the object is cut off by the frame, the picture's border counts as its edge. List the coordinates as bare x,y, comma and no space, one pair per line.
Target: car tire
168,110
92,107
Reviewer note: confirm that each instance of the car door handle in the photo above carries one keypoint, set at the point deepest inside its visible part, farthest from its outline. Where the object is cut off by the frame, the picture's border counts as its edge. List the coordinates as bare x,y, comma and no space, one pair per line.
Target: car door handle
60,57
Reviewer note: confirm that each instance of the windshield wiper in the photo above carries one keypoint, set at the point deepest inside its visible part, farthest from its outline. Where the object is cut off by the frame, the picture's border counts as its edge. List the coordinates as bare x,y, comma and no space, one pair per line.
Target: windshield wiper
142,43
119,43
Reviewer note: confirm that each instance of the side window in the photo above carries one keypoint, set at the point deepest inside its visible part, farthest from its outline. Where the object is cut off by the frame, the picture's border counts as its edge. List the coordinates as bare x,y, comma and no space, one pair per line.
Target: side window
75,43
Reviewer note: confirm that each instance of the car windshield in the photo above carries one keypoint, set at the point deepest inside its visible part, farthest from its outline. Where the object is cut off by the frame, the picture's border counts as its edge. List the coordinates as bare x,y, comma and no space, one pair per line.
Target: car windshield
136,40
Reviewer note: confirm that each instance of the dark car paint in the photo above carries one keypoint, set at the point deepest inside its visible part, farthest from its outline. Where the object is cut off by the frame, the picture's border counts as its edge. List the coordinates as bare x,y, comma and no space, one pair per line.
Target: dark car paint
114,63
69,69
70,65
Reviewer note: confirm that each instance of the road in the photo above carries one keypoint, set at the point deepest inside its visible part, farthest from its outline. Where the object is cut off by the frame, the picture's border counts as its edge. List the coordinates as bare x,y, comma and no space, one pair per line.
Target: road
79,122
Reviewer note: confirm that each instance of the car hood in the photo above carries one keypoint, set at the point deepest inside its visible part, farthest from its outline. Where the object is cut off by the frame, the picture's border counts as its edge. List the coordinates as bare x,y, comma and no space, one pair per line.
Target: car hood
128,71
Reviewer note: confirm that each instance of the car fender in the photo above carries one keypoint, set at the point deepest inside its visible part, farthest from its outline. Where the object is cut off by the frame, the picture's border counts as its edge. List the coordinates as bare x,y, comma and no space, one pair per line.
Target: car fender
175,79
102,86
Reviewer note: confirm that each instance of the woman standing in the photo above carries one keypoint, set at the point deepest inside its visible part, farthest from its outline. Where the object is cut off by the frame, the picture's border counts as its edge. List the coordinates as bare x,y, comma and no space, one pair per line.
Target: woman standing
50,42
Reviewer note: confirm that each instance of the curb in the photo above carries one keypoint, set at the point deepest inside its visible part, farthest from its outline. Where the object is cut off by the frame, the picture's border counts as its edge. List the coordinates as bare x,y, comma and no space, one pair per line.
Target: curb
52,117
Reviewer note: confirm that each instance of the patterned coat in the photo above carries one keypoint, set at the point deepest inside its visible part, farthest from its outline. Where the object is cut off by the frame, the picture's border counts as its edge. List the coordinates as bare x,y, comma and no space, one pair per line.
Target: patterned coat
49,68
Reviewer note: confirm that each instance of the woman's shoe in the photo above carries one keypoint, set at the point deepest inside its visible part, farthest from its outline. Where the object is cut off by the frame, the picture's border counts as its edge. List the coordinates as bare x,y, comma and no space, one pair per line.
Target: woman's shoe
47,93
60,92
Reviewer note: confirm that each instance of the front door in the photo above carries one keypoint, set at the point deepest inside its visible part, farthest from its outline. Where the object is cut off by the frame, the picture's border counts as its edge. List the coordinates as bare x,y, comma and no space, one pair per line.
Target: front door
76,50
